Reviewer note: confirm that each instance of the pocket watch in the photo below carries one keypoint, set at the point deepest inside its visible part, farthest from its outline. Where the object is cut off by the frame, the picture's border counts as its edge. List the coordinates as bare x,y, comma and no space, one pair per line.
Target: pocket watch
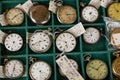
74,63
96,69
66,14
90,14
14,69
114,39
14,16
40,70
116,64
66,42
40,41
114,11
92,35
39,14
13,42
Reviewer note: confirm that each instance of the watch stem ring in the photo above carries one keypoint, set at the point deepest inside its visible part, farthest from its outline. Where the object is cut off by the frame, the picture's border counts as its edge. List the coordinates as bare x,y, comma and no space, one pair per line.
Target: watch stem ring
117,53
87,57
32,60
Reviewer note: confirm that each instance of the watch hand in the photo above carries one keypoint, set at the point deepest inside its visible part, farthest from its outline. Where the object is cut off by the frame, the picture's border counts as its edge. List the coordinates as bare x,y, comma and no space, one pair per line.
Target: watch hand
93,68
37,42
99,66
69,14
15,16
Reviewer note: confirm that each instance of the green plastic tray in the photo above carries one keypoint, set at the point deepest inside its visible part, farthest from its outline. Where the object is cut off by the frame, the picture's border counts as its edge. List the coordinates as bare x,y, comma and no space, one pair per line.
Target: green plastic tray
98,51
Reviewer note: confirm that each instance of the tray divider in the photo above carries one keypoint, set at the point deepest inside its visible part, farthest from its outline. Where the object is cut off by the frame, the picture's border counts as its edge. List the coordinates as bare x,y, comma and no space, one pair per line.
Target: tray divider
82,65
110,65
27,60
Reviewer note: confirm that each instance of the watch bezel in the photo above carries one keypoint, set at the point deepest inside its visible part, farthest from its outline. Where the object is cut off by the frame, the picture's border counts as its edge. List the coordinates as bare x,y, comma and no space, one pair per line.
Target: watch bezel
94,42
58,12
13,24
97,60
16,34
50,74
70,34
108,9
43,51
17,76
84,20
43,22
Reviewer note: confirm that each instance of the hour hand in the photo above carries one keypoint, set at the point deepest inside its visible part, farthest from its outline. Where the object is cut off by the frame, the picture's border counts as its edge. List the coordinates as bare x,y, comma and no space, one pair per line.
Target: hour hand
99,66
93,67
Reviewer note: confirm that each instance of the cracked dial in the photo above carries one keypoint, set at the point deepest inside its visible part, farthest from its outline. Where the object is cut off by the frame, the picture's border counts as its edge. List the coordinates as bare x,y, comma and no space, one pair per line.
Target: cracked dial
40,70
66,42
97,69
40,42
14,17
90,14
13,42
91,36
14,69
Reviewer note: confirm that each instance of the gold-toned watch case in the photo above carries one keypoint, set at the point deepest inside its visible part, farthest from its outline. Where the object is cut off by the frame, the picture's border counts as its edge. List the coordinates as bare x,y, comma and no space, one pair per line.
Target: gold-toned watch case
9,20
113,11
116,65
66,14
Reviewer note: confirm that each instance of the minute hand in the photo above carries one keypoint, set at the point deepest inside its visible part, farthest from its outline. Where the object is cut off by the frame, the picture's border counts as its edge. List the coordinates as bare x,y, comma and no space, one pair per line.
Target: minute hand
99,66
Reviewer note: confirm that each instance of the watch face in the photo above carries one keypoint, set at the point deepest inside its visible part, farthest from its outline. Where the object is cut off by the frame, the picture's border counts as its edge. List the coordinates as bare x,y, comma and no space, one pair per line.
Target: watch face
74,63
114,11
40,42
116,67
66,42
97,70
15,16
91,36
90,14
39,14
66,14
13,42
14,69
40,70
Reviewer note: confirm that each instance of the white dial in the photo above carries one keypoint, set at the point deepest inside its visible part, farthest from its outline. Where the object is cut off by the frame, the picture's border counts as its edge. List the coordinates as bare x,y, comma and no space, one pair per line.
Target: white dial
91,36
66,42
40,70
14,69
90,14
13,42
40,42
15,16
74,63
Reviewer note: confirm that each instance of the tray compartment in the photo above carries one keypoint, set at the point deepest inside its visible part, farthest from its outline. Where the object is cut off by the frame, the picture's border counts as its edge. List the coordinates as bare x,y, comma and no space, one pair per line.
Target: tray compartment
22,51
50,60
49,23
72,3
102,56
23,59
77,48
50,51
101,45
13,4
